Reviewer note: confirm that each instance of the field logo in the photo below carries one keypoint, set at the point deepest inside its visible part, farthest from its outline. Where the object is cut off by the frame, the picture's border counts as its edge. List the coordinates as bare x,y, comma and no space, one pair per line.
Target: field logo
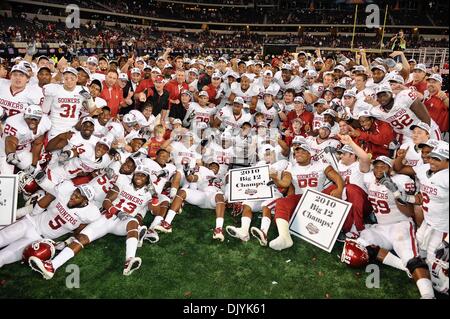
373,19
73,19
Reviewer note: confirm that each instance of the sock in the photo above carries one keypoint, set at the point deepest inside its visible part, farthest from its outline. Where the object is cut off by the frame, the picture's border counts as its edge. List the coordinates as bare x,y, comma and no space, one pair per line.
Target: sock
156,221
425,288
131,245
245,223
65,255
265,224
393,261
219,222
170,216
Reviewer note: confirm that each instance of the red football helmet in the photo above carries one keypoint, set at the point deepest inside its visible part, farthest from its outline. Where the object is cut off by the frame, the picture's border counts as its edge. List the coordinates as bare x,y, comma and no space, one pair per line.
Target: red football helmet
43,249
354,254
27,184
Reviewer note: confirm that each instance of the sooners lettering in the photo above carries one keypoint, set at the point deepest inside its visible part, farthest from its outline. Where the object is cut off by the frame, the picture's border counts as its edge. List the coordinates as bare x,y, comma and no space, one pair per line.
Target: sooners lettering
131,198
68,100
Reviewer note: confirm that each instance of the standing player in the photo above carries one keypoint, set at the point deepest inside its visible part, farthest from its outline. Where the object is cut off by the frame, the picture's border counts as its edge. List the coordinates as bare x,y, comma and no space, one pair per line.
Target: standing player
64,103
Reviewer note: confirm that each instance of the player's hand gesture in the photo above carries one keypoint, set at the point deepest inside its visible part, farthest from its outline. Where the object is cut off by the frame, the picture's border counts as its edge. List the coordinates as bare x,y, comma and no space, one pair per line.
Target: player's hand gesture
401,153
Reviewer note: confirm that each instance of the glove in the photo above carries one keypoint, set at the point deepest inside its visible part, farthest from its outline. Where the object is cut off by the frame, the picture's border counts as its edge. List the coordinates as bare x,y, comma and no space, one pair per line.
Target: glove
329,149
442,251
12,159
162,173
390,185
85,94
173,193
64,156
277,107
186,169
109,172
111,212
152,190
191,116
29,170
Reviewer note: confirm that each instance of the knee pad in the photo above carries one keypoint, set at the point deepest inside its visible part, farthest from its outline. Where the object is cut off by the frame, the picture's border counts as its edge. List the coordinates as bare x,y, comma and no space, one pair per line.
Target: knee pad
373,252
415,263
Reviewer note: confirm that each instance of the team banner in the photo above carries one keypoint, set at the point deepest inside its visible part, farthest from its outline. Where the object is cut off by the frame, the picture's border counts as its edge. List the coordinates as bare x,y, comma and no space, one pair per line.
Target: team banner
249,184
318,219
8,199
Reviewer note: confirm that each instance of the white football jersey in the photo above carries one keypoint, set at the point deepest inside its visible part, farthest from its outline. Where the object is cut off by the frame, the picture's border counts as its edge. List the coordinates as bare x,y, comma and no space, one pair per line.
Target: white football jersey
317,121
310,176
413,155
58,219
259,87
279,166
155,168
102,185
216,153
208,182
181,155
400,117
16,103
230,120
247,95
16,126
64,107
316,89
351,174
383,201
295,83
361,95
434,189
130,200
270,114
202,114
86,161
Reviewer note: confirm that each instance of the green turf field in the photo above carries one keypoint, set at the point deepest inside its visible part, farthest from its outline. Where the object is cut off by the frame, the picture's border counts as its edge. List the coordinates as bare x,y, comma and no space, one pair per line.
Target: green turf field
189,264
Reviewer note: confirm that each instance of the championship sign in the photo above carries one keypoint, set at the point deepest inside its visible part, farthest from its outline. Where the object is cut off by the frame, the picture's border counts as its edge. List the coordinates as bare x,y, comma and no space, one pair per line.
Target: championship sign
318,219
249,184
8,199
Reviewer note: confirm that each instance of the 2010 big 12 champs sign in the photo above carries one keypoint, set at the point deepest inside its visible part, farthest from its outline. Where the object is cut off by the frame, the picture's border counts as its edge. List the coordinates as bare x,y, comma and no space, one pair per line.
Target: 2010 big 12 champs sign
249,184
318,219
8,199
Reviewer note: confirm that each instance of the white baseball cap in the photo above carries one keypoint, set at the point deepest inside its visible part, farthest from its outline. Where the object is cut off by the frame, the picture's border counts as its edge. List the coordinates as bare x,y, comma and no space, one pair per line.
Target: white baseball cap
268,73
305,147
350,93
379,67
33,111
436,77
339,67
156,70
299,99
129,119
421,67
87,191
383,159
92,59
346,149
440,151
70,70
320,101
177,121
239,100
106,140
135,70
422,125
193,70
383,88
286,67
203,93
20,68
123,77
216,76
87,119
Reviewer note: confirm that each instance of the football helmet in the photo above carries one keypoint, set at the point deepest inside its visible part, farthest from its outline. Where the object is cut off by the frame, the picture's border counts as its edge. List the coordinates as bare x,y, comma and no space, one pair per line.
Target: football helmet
43,249
27,184
354,254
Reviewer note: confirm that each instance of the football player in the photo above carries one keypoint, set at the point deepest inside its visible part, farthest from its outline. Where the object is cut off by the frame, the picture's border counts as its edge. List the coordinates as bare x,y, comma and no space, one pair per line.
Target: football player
53,216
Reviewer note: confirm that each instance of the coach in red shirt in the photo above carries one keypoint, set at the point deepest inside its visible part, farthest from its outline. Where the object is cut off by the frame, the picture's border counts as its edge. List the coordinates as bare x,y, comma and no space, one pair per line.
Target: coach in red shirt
419,75
112,93
436,102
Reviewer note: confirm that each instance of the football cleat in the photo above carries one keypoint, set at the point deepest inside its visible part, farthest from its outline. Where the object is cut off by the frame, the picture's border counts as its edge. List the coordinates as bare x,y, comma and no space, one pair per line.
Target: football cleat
237,232
45,268
218,234
164,227
151,236
131,265
260,235
142,230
